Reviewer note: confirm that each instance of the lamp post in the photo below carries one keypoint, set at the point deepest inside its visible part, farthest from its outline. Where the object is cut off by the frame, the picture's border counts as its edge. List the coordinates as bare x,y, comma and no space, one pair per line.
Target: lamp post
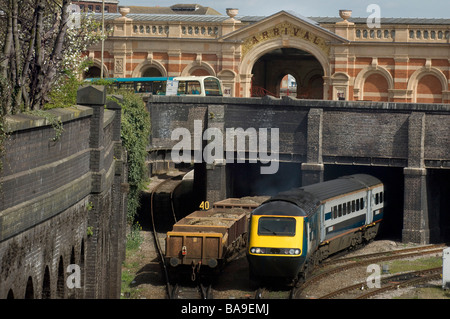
103,37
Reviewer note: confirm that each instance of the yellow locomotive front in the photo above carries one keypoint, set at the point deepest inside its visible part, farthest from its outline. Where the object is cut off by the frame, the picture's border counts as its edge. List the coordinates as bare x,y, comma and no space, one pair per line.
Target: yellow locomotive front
276,246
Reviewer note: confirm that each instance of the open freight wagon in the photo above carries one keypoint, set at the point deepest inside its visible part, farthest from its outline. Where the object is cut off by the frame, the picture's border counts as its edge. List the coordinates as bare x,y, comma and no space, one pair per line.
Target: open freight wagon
210,238
206,238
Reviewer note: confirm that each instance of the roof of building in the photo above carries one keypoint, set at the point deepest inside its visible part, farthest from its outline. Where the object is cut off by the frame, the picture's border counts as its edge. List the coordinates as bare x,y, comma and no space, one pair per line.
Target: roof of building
206,14
166,17
356,20
184,9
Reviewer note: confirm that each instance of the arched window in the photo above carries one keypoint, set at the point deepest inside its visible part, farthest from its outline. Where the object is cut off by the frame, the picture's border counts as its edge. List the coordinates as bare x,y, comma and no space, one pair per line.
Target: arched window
60,283
200,72
376,88
151,72
29,291
10,294
429,89
92,72
46,294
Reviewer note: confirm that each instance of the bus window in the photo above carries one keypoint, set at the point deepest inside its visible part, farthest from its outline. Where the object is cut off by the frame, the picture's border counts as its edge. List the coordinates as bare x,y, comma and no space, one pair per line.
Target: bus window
159,88
181,88
189,87
144,87
194,88
212,87
127,86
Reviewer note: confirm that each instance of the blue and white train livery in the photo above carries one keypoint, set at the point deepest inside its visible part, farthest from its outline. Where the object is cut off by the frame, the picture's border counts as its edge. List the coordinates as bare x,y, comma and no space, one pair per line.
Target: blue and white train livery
296,229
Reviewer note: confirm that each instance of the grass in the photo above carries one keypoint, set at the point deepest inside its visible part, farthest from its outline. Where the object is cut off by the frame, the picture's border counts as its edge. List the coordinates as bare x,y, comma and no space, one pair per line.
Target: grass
398,266
427,291
131,265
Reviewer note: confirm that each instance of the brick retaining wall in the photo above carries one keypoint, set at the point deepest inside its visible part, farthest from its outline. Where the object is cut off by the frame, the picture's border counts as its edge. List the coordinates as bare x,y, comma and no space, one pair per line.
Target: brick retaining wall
61,202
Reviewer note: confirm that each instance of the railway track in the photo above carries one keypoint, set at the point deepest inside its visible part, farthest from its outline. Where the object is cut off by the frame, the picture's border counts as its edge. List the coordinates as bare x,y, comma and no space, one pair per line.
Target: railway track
362,260
167,186
174,289
198,291
388,254
388,283
270,293
417,277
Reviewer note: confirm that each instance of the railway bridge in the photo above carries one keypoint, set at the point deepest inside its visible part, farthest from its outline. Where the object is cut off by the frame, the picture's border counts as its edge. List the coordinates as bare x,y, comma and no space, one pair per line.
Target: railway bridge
259,146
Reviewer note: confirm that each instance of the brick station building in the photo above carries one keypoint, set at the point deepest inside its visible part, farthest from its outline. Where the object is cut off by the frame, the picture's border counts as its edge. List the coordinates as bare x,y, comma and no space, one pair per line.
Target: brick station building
405,60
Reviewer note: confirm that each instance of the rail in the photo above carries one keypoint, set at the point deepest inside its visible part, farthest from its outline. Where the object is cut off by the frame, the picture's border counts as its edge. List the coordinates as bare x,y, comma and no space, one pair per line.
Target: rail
155,234
257,91
362,260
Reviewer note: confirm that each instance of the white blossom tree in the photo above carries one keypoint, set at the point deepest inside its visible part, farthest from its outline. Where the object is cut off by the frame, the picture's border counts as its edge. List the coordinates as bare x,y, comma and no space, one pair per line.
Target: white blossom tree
40,48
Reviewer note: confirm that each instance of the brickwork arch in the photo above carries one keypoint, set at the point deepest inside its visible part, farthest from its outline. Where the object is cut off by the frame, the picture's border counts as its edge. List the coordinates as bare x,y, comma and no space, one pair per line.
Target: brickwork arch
427,85
251,57
228,78
143,66
97,64
373,83
198,68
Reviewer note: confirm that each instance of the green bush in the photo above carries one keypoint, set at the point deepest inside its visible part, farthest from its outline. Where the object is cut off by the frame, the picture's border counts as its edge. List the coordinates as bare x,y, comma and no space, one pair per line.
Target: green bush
135,135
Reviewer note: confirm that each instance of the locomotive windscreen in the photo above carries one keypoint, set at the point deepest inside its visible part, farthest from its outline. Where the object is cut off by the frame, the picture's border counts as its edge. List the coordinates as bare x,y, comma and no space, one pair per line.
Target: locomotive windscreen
278,226
279,208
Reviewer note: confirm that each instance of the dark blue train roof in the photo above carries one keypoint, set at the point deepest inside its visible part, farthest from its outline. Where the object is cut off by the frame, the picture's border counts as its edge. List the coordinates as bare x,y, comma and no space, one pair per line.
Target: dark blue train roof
308,198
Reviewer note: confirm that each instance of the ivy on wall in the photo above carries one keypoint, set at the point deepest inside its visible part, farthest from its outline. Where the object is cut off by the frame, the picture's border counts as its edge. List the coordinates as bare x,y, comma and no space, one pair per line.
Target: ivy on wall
135,134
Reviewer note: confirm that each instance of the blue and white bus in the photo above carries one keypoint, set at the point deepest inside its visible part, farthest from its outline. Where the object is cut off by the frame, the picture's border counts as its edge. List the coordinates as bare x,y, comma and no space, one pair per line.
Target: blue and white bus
183,86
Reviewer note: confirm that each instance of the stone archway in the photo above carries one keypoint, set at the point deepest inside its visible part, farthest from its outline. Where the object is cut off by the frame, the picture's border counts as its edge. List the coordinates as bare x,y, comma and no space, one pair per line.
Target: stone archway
149,68
198,68
94,71
151,72
427,85
272,67
295,46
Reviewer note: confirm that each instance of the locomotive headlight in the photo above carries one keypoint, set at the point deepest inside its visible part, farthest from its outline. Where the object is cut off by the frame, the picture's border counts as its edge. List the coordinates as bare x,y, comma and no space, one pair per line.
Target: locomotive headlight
275,251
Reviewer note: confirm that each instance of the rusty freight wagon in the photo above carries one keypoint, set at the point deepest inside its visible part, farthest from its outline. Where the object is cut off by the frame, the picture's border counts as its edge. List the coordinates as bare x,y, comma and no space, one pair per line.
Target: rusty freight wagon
208,239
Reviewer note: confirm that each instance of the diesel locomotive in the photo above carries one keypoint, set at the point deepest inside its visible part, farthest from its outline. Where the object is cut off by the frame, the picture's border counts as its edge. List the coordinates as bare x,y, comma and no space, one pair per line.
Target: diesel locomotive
293,231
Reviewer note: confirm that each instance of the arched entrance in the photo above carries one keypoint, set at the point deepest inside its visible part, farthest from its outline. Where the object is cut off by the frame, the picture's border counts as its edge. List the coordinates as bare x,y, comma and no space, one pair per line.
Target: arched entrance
271,68
151,72
288,85
93,72
307,62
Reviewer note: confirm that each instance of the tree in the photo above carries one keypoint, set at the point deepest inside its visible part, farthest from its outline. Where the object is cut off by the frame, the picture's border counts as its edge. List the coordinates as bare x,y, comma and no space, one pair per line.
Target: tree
37,43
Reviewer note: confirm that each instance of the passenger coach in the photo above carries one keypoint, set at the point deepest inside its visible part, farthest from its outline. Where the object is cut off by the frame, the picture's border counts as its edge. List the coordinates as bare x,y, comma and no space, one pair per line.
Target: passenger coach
295,230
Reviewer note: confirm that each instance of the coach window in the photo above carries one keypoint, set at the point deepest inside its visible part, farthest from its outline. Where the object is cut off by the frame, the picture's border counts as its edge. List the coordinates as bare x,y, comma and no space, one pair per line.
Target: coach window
194,88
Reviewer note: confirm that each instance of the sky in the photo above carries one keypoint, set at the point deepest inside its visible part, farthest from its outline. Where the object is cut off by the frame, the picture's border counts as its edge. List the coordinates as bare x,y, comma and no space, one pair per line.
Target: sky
317,8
